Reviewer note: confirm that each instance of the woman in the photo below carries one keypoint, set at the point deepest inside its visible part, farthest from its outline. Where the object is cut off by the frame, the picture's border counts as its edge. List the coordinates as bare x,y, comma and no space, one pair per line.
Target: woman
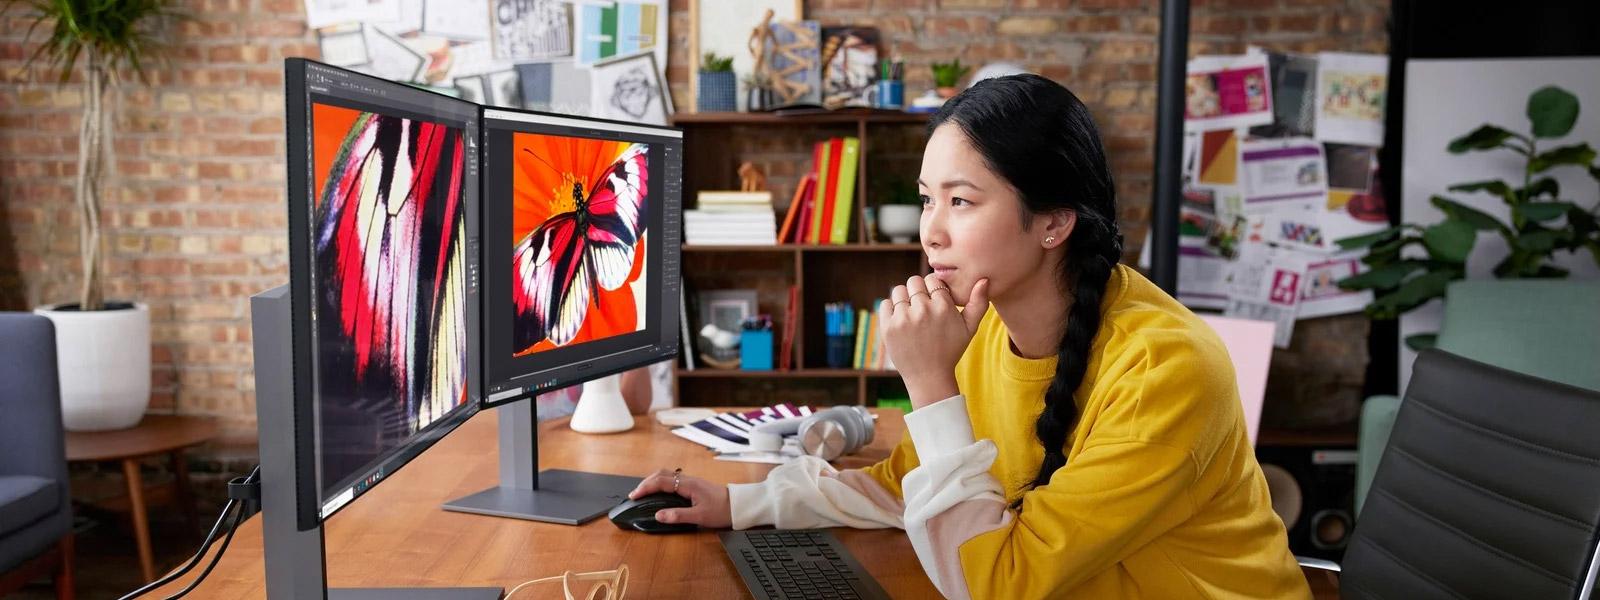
1076,432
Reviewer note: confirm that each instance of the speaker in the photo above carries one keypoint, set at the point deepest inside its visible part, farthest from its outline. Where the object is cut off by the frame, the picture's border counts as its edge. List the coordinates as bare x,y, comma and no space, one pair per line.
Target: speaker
1313,491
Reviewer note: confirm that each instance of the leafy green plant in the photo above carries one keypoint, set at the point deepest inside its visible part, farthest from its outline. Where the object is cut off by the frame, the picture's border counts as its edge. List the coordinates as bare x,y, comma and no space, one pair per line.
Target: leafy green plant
110,36
948,74
1543,222
711,63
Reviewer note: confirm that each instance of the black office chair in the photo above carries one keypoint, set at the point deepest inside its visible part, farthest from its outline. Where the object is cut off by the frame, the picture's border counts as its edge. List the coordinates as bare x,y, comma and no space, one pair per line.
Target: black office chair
1489,488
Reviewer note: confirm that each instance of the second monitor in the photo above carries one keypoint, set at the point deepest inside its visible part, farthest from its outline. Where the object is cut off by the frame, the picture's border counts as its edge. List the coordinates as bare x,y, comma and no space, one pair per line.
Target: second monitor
580,279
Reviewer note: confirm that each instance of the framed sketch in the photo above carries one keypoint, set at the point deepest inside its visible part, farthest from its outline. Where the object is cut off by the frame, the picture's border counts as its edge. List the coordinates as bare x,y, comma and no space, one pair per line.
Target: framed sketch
629,89
390,58
343,46
724,27
850,66
472,89
531,29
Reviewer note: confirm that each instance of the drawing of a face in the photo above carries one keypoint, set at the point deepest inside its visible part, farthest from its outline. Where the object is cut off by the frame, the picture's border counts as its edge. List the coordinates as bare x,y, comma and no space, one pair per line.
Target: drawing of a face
632,92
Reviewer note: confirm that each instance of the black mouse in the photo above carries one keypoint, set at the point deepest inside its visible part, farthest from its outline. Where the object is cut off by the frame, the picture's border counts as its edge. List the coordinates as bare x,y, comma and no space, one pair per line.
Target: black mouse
640,514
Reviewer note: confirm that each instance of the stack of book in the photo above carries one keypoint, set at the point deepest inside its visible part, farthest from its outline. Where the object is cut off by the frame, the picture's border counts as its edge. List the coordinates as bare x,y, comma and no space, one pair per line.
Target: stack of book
820,211
731,218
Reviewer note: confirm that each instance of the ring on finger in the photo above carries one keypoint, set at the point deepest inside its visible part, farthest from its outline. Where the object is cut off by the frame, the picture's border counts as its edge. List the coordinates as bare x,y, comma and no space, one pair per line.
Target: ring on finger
914,294
677,475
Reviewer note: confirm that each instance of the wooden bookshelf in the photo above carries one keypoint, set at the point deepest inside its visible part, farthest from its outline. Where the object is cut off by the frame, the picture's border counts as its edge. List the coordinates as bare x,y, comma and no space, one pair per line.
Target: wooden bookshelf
857,272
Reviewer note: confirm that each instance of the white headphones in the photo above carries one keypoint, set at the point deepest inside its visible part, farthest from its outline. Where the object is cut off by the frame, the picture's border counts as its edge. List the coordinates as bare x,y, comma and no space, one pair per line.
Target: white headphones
826,434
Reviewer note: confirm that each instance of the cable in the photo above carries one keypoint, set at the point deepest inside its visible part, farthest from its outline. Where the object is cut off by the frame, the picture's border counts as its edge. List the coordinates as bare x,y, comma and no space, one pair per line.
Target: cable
240,491
238,517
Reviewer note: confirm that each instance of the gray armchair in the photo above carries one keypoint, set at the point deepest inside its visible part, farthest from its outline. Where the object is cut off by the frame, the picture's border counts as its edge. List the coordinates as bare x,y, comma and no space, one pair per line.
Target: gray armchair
35,508
1490,488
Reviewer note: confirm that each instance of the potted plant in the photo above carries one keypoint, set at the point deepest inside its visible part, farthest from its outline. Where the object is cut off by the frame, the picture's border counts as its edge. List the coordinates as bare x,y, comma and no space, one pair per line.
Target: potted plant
1542,222
947,75
718,89
102,348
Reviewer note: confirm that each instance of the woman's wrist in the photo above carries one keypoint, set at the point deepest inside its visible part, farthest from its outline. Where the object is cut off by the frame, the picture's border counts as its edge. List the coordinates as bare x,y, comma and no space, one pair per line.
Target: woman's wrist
927,390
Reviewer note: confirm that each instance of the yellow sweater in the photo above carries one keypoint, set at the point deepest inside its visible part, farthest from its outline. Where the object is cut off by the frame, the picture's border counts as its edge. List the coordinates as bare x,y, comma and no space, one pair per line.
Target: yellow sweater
1161,496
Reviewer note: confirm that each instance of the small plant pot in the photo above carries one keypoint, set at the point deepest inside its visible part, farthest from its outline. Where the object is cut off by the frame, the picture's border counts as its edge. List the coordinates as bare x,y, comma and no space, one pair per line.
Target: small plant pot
718,92
899,221
948,92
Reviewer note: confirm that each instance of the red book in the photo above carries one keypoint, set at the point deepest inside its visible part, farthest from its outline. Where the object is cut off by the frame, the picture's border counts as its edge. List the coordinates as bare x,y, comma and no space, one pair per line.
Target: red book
786,352
828,197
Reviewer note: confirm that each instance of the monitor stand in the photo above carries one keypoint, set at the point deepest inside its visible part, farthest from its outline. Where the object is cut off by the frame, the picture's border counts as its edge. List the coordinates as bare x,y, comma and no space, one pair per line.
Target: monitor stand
552,495
295,560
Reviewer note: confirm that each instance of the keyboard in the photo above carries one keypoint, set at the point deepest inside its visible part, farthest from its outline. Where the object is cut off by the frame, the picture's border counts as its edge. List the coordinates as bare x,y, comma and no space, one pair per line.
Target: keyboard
800,563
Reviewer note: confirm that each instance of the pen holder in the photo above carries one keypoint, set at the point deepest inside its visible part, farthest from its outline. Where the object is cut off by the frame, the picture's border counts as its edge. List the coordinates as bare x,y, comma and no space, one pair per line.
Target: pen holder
755,350
891,94
841,348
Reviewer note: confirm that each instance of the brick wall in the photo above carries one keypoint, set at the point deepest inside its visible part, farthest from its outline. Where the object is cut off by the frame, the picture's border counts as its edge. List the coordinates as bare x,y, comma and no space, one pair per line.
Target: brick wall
194,209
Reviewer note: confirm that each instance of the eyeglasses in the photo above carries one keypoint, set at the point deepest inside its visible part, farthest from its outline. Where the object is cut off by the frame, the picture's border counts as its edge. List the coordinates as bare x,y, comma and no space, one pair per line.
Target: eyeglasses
609,585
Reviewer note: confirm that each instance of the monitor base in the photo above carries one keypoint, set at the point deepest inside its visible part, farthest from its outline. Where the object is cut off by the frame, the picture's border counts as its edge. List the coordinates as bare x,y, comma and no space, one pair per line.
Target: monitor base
565,497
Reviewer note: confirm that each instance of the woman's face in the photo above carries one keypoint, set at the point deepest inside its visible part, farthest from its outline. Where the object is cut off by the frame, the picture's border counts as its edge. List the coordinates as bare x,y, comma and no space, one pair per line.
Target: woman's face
972,220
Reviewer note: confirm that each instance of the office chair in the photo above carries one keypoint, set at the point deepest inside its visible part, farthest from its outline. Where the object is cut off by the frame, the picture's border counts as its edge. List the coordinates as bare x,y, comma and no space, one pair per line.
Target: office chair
1490,488
1543,327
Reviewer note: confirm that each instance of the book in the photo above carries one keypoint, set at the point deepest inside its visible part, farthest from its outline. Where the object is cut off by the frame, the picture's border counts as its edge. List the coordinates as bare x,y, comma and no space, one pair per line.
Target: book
795,203
848,165
821,151
861,337
828,195
786,351
706,199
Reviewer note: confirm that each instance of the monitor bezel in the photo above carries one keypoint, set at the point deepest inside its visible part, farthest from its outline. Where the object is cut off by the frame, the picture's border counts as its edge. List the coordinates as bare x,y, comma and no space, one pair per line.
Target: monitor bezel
310,501
619,362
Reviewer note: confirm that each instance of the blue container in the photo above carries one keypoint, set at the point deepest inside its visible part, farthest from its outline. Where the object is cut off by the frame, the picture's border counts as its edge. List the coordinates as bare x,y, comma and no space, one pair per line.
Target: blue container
891,94
755,350
718,92
841,351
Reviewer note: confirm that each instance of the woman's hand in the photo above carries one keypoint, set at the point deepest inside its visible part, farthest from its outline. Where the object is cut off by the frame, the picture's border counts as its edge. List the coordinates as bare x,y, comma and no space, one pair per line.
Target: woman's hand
925,335
710,501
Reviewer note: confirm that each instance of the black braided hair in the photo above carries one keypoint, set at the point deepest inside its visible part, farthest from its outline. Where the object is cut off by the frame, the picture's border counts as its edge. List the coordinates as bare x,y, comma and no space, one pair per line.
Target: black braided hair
1038,136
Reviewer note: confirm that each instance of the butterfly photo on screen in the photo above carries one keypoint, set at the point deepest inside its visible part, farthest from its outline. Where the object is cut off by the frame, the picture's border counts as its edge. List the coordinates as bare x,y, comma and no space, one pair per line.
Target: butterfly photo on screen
578,231
389,285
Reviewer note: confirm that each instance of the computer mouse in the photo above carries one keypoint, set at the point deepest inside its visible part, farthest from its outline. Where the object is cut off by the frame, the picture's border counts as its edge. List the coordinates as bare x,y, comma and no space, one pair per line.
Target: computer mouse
640,514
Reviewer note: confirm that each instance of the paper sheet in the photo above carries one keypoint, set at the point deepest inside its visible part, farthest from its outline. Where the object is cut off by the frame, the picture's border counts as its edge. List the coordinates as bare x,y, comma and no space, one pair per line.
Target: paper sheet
322,13
1350,97
1264,285
390,58
1277,172
1224,92
1321,296
531,29
466,20
343,46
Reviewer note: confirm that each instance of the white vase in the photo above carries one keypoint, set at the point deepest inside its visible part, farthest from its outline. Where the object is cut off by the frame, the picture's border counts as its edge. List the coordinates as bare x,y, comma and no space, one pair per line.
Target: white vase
103,357
601,408
899,221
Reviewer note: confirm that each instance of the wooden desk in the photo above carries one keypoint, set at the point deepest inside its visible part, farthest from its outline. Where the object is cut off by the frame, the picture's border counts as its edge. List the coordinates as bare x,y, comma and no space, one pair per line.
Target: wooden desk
397,534
153,436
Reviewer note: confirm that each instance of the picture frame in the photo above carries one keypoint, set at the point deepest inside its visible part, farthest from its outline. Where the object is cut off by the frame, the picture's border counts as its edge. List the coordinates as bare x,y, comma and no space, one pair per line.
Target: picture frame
629,88
724,26
726,309
524,30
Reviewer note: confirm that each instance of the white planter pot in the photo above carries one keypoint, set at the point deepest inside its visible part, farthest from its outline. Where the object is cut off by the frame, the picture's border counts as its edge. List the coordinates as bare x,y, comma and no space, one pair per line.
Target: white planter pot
104,360
899,221
602,408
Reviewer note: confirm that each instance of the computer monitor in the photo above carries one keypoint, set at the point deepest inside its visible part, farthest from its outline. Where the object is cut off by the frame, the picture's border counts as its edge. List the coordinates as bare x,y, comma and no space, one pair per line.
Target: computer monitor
369,356
581,249
581,245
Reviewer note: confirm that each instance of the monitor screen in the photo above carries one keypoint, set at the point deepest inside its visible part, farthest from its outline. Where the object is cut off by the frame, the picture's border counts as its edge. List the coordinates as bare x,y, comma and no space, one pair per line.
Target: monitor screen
581,250
384,219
